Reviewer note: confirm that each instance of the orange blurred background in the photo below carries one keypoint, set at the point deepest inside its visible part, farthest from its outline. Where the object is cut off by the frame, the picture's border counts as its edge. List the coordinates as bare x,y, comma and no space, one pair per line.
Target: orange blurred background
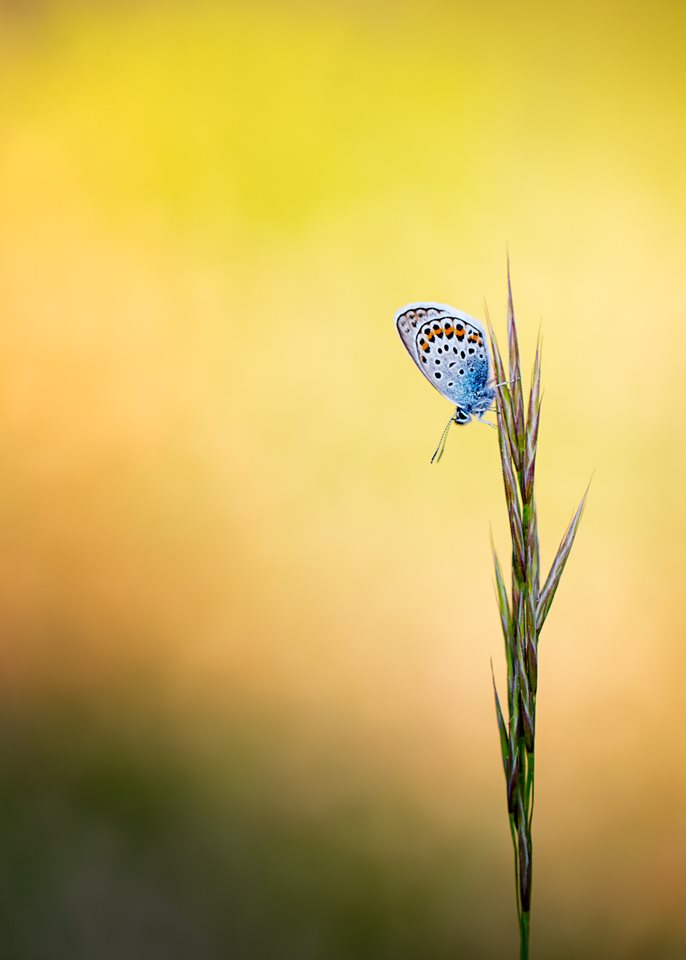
245,626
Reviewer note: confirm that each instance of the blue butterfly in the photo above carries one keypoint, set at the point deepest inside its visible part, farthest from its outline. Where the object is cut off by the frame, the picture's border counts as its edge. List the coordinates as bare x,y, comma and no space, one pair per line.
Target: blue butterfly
451,349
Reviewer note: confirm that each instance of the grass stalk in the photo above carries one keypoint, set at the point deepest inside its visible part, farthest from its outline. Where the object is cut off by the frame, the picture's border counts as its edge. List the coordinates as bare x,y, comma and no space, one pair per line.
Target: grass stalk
524,610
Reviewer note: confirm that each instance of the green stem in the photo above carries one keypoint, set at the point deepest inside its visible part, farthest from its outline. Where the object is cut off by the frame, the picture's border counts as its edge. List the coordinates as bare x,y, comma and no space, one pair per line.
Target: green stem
524,937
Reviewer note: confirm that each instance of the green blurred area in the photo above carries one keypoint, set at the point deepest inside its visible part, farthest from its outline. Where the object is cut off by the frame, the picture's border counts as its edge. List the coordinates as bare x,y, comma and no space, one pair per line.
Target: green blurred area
116,845
244,627
120,846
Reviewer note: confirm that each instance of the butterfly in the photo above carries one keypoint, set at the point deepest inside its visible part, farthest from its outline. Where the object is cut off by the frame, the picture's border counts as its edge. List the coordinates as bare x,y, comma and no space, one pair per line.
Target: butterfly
451,349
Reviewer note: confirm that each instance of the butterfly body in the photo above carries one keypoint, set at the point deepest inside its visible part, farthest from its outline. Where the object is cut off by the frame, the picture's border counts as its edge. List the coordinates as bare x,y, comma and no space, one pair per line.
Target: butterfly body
451,349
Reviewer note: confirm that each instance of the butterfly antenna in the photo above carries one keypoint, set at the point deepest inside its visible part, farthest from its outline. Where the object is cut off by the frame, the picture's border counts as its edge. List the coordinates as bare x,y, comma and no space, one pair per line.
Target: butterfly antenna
438,452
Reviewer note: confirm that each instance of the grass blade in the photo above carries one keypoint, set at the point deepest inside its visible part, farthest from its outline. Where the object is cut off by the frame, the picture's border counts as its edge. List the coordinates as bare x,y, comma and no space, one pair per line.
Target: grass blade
499,369
503,603
532,552
515,366
535,391
530,451
551,584
502,729
504,398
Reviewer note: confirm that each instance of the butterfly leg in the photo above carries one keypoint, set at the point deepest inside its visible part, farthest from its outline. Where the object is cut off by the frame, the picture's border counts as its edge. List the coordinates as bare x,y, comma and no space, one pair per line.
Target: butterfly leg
487,423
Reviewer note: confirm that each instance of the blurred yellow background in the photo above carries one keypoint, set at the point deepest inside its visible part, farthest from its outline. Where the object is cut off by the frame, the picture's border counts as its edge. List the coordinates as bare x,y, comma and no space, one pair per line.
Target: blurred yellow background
234,594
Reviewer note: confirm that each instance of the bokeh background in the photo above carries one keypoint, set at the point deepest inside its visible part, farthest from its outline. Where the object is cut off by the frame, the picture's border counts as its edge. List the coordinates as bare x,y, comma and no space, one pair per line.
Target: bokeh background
245,628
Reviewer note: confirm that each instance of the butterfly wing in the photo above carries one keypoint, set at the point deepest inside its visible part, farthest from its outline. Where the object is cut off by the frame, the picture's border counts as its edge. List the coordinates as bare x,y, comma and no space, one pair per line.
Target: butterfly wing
449,347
